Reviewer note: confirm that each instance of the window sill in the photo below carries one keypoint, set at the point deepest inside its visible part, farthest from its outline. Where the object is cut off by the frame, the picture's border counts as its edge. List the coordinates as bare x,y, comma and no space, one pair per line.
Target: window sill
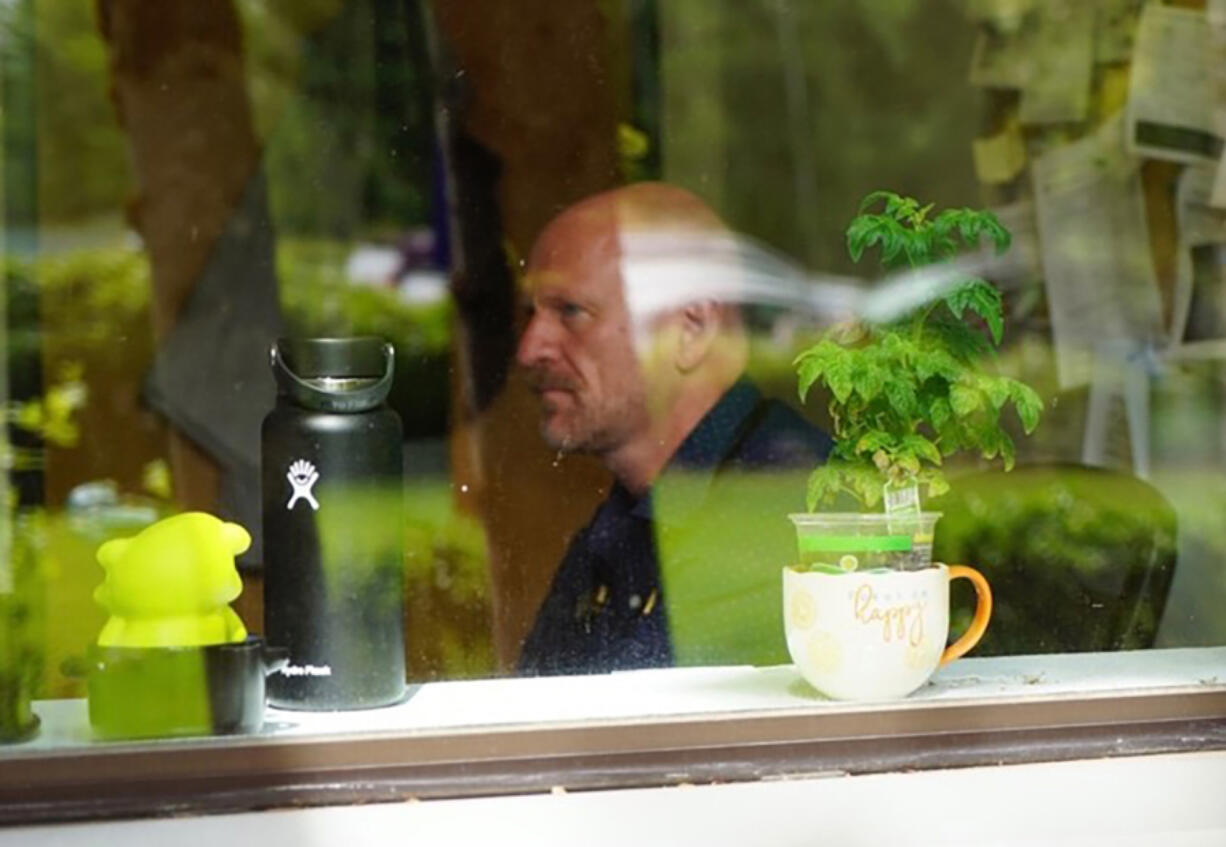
629,729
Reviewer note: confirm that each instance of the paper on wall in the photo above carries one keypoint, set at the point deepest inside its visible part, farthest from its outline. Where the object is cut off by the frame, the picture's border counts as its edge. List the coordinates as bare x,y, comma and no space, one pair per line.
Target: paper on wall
1001,157
1199,224
1169,113
1101,286
1058,88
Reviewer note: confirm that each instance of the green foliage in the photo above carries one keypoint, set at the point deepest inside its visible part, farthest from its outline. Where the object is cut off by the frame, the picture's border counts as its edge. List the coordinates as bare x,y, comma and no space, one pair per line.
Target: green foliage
22,618
447,590
22,623
317,300
1079,559
905,395
58,113
50,417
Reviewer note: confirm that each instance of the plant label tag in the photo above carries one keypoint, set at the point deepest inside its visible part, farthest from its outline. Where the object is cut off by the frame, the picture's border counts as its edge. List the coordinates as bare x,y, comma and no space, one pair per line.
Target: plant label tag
902,509
901,501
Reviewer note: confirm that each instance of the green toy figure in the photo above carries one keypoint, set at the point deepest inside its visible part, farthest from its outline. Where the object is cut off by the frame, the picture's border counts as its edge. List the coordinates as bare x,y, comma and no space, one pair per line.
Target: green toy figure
171,584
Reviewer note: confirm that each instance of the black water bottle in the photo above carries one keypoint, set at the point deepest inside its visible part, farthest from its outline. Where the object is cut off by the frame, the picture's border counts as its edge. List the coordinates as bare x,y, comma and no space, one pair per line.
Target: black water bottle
332,475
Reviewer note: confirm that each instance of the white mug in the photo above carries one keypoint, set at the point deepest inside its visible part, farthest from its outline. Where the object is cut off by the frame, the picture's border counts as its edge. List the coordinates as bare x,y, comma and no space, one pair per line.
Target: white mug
876,636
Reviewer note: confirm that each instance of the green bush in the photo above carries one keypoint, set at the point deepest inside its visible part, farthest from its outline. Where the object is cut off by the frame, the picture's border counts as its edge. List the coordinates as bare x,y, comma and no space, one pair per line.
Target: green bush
319,302
1079,559
22,626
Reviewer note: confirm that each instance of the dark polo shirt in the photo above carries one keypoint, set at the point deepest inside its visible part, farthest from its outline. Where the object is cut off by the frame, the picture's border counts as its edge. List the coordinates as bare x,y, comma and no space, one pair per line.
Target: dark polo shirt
715,518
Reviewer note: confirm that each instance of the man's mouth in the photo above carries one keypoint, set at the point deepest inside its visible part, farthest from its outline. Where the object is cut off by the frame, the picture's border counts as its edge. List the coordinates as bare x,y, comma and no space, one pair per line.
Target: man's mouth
554,400
545,385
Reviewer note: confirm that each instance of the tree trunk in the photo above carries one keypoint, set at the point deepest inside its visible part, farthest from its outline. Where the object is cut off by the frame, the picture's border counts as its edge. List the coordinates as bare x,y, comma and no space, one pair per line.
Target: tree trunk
528,126
180,93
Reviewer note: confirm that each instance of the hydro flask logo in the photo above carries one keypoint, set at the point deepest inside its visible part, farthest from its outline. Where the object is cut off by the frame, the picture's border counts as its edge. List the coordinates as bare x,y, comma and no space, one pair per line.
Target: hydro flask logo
305,670
302,477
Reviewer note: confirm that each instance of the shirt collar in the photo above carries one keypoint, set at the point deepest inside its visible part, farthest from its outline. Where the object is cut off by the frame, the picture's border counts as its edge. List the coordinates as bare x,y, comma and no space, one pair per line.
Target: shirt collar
707,445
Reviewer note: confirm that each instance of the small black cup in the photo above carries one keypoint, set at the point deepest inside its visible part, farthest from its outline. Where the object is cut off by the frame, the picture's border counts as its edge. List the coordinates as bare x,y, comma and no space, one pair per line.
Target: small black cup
158,692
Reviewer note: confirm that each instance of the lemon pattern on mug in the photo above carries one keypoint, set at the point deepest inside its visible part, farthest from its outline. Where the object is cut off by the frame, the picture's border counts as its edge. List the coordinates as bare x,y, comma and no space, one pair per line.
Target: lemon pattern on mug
803,611
825,652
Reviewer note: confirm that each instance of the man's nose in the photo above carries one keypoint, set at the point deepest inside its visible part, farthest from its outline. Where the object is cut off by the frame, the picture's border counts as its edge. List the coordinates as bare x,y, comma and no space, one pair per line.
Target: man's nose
537,344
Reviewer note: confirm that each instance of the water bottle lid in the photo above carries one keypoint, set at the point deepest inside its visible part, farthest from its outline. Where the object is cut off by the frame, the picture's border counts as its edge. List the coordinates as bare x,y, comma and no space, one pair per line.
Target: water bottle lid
334,374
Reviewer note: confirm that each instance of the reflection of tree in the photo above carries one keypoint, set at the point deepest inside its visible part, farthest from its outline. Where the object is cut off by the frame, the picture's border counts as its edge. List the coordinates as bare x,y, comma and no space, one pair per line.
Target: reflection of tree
531,127
179,89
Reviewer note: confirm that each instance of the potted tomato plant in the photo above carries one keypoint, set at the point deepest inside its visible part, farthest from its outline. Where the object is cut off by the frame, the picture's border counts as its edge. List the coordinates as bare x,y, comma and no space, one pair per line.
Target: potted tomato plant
902,397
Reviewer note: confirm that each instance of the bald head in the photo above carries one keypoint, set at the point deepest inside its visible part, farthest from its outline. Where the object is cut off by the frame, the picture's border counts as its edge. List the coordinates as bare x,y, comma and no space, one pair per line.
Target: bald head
622,382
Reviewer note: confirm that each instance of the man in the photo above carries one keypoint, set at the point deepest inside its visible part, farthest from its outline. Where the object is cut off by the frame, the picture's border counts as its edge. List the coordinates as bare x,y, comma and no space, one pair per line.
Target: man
636,349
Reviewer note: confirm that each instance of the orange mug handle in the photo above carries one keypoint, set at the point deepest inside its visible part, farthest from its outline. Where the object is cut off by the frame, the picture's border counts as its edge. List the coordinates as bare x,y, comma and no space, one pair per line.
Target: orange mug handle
983,612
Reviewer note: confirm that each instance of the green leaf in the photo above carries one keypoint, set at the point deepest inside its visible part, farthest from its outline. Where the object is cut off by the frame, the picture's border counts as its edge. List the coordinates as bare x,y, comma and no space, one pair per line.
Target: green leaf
951,439
997,390
968,226
996,325
957,340
823,485
857,233
891,200
838,377
812,364
1028,404
809,370
917,248
865,482
893,240
988,436
869,381
870,230
901,394
909,462
937,484
922,447
964,400
1008,451
939,412
930,363
1000,236
943,247
895,345
874,440
982,298
946,222
903,208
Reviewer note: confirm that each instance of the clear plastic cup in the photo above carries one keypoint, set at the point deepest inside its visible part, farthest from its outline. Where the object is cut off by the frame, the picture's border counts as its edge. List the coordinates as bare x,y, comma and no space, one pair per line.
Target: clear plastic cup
849,542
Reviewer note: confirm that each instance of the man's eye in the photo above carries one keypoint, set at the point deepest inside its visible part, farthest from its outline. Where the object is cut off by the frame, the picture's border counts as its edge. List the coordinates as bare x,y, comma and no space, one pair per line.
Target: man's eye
571,311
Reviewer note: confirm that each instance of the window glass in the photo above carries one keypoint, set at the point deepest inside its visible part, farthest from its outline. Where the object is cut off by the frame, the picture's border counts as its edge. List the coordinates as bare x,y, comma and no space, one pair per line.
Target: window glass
656,275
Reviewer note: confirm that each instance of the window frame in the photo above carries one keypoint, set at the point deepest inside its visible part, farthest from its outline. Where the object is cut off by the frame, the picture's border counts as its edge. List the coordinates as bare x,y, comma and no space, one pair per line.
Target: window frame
224,774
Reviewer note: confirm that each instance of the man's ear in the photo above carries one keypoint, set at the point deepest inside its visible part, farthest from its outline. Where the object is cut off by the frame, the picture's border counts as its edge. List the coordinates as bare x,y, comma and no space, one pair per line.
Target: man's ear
699,327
